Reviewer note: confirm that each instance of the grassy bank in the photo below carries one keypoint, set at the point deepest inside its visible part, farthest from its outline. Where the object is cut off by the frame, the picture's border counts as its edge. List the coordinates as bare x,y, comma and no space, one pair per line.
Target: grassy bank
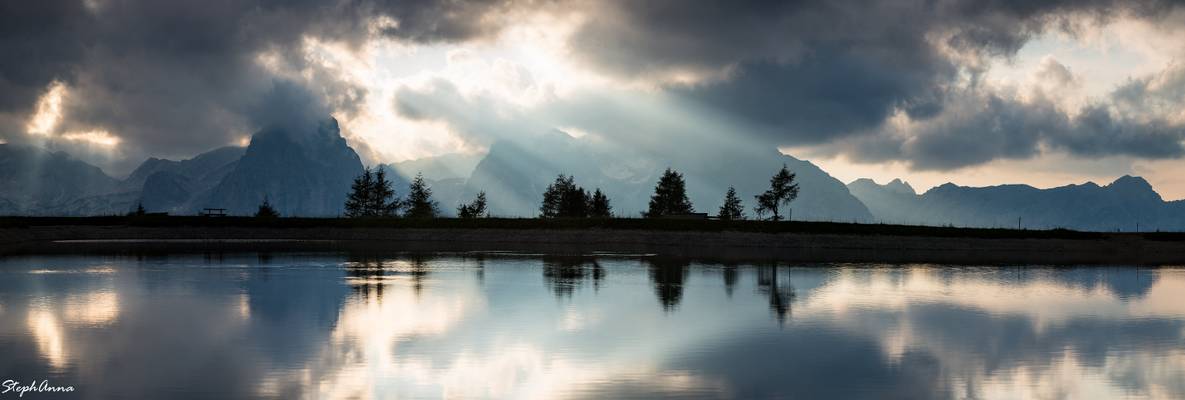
725,240
803,227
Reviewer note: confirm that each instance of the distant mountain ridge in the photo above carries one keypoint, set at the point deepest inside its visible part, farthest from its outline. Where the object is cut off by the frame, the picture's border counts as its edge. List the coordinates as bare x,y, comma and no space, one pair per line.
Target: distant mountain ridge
308,171
1120,205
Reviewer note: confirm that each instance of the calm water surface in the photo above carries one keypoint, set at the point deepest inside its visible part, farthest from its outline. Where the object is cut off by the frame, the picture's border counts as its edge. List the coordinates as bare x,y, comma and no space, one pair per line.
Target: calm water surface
458,326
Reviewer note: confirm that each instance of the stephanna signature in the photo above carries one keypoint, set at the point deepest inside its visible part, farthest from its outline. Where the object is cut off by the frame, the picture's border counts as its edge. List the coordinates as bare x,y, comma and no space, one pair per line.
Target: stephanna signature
42,386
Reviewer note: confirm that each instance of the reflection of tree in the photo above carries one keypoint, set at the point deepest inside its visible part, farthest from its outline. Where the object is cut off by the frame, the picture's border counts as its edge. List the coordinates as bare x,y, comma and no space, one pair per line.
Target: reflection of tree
564,274
481,270
418,271
366,276
730,278
667,276
781,295
369,275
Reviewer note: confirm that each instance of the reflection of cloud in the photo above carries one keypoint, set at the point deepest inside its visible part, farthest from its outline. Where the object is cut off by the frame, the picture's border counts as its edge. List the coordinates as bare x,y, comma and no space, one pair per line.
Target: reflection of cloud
448,342
1037,295
1038,334
245,306
96,308
360,359
47,332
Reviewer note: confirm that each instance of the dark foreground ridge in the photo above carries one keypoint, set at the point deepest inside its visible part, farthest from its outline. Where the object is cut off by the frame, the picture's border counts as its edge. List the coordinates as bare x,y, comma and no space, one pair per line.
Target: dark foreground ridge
726,240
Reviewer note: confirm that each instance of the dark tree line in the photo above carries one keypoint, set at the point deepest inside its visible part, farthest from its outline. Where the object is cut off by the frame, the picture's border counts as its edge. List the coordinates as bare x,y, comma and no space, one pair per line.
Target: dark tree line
372,195
564,199
475,208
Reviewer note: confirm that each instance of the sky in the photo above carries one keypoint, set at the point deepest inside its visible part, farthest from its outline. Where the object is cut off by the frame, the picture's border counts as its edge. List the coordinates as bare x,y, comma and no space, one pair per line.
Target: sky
975,92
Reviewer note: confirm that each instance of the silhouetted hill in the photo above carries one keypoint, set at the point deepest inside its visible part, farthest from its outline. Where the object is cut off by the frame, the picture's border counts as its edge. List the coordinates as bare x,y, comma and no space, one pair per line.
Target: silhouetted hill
304,172
1120,205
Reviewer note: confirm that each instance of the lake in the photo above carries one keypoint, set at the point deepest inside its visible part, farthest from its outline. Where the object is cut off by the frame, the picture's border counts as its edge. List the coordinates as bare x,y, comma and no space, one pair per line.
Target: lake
610,326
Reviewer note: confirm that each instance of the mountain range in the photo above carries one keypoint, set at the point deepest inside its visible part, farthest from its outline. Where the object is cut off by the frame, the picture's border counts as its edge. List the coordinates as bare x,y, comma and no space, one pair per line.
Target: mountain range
1127,204
307,171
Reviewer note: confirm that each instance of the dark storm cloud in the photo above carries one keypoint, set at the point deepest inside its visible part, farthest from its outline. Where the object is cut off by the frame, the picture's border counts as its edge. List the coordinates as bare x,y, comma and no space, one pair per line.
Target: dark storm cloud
811,73
981,127
174,78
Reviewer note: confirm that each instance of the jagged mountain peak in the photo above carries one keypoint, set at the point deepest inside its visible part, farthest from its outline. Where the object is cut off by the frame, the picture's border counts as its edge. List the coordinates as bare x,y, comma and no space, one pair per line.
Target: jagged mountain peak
301,171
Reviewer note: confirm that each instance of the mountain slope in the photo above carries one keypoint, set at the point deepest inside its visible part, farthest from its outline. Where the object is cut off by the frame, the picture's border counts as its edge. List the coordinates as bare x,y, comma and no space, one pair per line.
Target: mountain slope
35,180
173,186
303,172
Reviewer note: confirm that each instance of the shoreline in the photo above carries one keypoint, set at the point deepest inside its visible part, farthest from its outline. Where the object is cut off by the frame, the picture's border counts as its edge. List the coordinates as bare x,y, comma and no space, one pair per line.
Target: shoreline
964,248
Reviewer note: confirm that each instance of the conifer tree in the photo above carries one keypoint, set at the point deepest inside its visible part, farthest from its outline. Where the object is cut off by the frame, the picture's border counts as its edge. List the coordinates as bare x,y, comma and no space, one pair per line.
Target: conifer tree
670,196
475,209
419,199
266,210
598,206
732,209
358,203
383,202
563,199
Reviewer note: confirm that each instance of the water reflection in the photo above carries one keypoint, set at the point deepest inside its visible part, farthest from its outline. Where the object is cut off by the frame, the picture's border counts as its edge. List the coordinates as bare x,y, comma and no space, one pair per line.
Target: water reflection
780,294
564,274
290,326
667,275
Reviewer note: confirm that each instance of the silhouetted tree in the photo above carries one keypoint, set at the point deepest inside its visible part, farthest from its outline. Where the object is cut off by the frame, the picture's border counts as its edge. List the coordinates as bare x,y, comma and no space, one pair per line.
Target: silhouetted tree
475,209
670,196
782,190
419,199
359,200
383,201
139,211
266,210
563,199
732,207
598,206
371,195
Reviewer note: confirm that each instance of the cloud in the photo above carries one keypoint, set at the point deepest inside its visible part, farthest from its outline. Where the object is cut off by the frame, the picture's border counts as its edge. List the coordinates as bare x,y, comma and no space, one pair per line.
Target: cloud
826,73
173,79
981,126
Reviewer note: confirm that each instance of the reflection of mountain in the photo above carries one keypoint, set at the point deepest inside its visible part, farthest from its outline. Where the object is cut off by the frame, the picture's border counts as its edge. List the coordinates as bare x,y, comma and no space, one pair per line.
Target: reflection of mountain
293,310
564,274
1120,205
